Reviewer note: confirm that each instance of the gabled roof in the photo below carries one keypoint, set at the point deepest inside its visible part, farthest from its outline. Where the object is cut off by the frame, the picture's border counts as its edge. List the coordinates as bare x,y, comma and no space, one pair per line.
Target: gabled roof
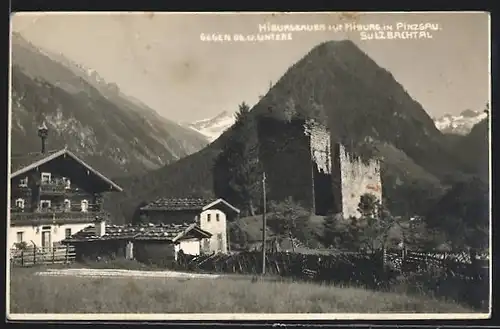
218,201
23,164
186,204
165,232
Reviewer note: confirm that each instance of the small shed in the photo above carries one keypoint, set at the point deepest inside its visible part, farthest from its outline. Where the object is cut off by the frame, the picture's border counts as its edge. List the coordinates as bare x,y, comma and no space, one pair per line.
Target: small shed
211,215
148,243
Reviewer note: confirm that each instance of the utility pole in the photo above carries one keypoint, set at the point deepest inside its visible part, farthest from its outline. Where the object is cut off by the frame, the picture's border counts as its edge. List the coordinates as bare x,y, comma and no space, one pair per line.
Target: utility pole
313,186
264,223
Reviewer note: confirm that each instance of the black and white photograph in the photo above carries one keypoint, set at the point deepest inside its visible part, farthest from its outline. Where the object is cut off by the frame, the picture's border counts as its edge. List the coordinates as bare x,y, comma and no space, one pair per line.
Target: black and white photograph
257,165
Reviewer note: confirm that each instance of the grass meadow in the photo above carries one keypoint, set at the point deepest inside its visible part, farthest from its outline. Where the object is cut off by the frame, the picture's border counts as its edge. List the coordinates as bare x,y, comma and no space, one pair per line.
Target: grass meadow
30,293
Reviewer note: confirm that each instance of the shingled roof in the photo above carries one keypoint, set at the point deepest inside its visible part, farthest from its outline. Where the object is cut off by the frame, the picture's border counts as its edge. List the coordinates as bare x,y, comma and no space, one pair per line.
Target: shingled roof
165,232
186,204
177,204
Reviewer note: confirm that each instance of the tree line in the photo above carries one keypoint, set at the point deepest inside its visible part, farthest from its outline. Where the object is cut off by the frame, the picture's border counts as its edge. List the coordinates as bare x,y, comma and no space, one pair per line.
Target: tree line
459,220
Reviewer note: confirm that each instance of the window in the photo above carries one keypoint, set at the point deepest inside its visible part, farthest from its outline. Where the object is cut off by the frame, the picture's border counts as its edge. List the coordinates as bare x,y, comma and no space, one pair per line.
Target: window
84,205
208,217
217,217
67,233
23,182
20,236
20,203
67,205
45,204
46,176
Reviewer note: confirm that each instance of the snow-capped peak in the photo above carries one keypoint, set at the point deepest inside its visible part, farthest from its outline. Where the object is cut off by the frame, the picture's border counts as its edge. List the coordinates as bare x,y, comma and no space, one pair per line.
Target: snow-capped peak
459,124
213,127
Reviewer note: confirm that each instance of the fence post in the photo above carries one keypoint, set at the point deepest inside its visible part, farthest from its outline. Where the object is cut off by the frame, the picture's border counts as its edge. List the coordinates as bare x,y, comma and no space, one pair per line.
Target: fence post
22,258
34,255
385,256
66,255
53,255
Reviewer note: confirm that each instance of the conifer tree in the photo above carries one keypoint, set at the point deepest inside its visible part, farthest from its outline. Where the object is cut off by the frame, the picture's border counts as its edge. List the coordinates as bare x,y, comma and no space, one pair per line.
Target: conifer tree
240,159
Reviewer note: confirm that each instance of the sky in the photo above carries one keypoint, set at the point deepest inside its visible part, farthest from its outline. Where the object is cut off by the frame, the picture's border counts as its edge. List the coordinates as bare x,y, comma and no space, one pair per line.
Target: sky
161,59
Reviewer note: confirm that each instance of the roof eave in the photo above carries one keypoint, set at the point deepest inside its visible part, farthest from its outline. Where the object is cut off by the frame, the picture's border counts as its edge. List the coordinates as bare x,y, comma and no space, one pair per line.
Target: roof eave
37,163
154,239
206,234
193,226
213,203
146,208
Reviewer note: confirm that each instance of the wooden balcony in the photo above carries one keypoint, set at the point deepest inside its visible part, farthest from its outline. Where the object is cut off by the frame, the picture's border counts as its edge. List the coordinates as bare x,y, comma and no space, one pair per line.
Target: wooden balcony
55,187
92,207
56,215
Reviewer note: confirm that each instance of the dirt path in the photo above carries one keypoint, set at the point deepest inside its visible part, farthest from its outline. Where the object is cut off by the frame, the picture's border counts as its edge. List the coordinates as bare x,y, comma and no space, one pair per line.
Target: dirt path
100,273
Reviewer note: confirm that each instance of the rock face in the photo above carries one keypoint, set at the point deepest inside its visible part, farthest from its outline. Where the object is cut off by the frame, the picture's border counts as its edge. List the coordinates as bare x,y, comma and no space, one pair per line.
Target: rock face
113,132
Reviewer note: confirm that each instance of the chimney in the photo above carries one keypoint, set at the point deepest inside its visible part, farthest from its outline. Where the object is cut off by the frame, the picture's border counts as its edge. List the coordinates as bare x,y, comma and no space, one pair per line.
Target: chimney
100,227
43,131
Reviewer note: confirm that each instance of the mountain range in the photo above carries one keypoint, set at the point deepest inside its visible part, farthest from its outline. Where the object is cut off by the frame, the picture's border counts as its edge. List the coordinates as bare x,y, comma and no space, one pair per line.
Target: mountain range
212,128
116,133
364,107
460,124
150,156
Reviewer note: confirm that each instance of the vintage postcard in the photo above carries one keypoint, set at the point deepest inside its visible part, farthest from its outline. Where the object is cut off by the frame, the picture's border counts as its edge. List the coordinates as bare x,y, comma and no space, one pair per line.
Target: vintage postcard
280,166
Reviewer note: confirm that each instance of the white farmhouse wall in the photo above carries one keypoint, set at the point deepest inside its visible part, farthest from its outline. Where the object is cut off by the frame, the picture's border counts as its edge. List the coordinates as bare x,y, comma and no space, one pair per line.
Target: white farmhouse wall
216,228
189,247
34,233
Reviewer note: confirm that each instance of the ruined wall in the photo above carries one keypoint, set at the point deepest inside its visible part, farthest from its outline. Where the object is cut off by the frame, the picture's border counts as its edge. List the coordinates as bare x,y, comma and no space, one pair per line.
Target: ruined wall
285,155
357,178
294,152
320,145
326,183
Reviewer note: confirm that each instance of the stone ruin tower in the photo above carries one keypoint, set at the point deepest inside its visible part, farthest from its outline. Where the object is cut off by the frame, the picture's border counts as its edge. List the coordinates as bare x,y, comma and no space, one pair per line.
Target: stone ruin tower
338,178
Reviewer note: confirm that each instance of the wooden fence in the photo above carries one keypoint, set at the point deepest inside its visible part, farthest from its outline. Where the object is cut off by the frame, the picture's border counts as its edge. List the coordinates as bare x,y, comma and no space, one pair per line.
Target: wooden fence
448,276
354,268
39,256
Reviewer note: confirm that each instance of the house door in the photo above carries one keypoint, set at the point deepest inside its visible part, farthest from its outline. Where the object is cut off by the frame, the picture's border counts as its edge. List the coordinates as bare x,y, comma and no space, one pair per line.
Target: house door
219,242
206,246
46,240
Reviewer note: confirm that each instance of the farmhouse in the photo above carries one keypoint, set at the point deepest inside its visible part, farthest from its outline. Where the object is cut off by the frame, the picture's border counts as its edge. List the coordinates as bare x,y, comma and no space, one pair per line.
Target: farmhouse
148,243
210,215
53,195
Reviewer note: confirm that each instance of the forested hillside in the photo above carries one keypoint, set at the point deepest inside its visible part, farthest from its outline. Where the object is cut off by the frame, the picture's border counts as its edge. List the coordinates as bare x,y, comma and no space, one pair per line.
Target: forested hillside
364,107
111,131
